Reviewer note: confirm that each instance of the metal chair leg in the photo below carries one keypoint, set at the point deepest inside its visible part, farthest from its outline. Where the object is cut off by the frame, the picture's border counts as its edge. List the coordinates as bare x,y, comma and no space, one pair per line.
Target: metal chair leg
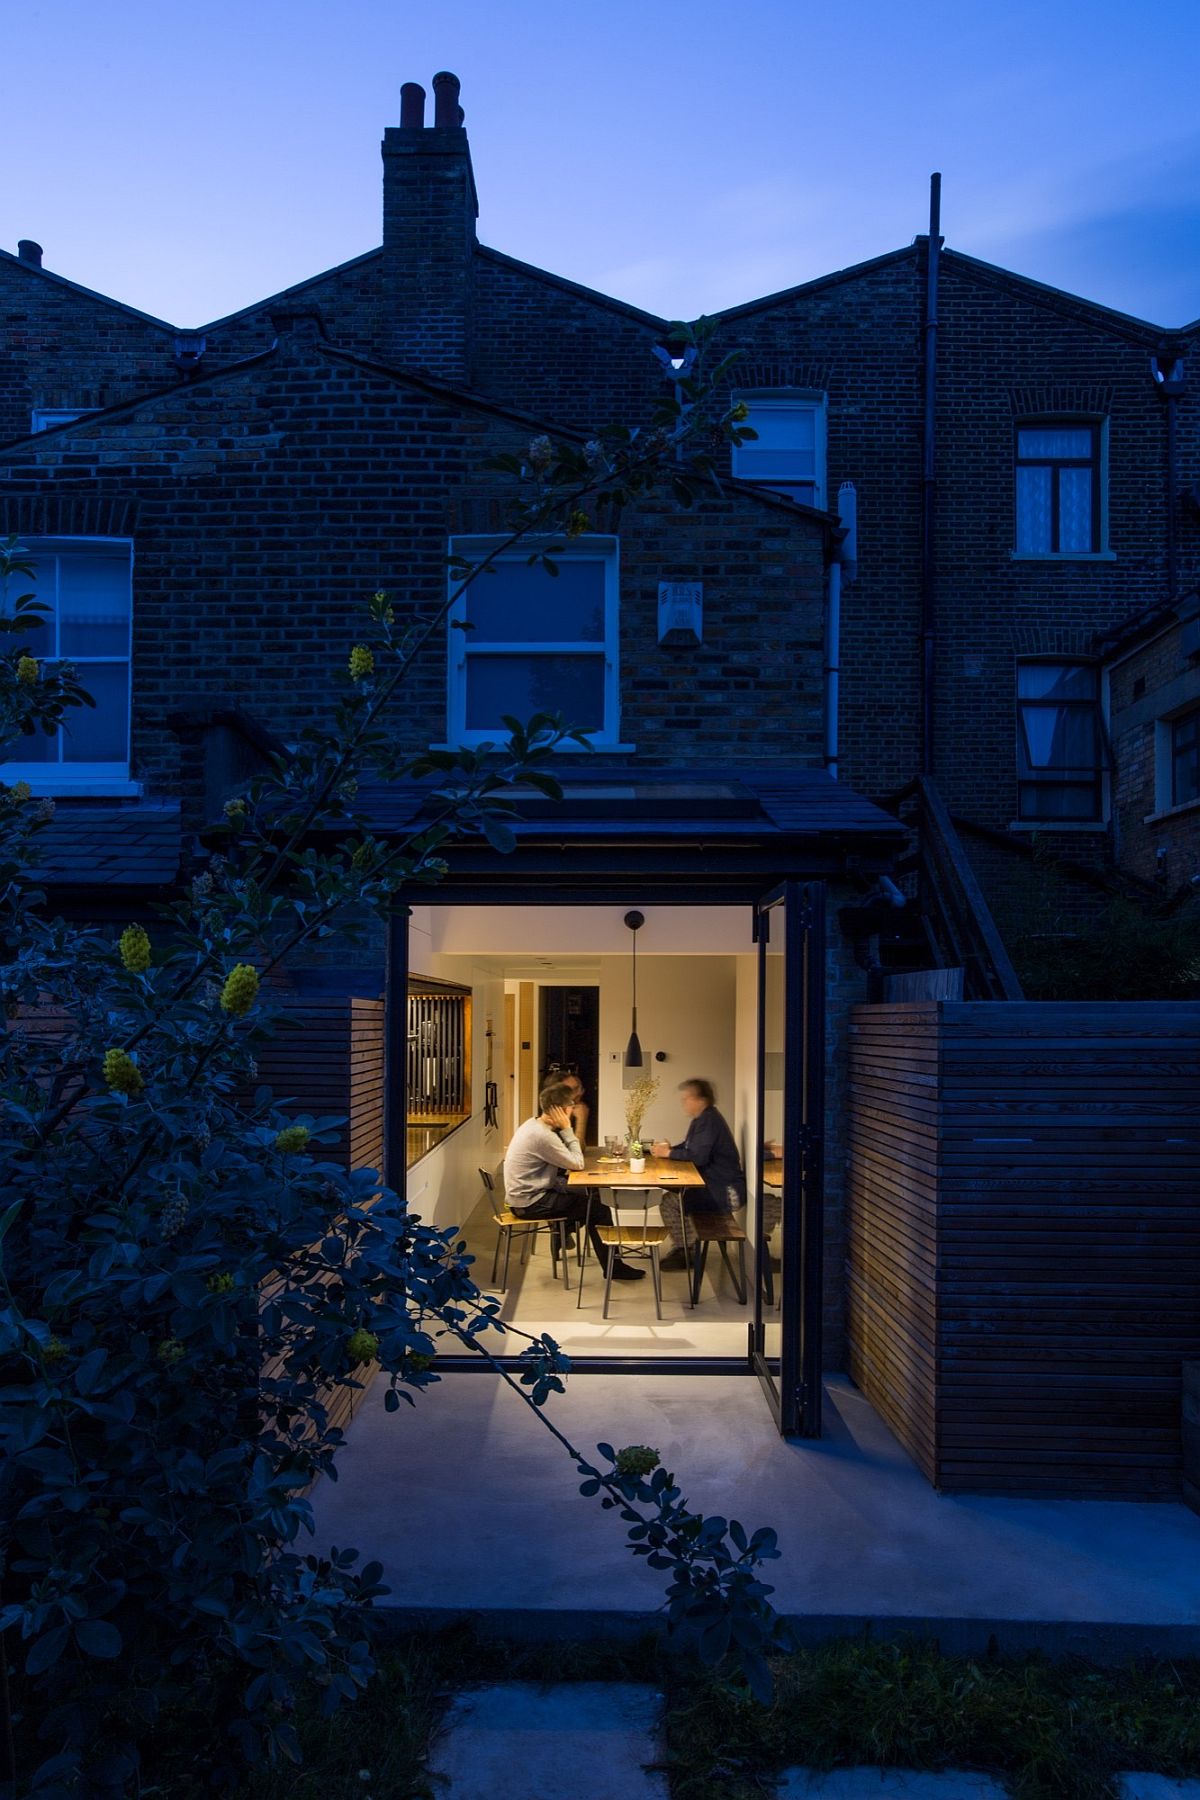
743,1290
496,1253
559,1230
739,1285
584,1241
528,1241
508,1231
701,1265
612,1257
656,1277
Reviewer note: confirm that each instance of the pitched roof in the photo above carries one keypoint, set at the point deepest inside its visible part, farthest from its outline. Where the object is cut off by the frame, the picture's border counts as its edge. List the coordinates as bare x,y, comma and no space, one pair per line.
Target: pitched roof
133,844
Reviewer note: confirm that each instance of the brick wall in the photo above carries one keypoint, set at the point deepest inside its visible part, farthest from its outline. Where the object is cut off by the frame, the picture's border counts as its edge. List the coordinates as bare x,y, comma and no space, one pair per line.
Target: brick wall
63,347
268,503
1150,684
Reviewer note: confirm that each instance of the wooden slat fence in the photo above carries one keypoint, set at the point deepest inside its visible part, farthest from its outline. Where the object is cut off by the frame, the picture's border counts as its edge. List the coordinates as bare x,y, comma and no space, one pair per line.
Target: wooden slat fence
327,1058
1024,1238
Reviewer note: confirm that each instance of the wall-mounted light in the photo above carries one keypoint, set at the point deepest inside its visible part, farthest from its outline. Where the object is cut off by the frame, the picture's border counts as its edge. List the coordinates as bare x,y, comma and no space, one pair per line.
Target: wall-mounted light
633,1050
680,612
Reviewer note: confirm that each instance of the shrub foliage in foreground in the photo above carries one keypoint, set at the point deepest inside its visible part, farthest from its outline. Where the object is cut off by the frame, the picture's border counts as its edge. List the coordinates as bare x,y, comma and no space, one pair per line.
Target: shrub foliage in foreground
168,1232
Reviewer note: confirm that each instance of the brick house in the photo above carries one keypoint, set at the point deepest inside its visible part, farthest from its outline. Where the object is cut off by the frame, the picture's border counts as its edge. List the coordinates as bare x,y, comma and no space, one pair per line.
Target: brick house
213,505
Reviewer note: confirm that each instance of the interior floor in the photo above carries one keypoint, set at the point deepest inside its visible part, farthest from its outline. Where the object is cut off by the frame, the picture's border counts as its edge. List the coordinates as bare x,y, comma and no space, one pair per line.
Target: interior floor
536,1301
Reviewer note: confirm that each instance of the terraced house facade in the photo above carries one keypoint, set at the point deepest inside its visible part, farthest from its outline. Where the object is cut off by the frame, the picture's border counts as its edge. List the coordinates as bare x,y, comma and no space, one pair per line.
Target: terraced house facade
895,616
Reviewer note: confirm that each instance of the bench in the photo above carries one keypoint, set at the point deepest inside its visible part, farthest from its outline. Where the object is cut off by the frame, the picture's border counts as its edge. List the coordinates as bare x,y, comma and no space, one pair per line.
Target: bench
721,1229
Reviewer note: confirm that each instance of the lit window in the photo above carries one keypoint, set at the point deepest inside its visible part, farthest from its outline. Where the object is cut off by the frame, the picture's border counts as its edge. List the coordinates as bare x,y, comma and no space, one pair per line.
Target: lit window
45,418
1058,484
788,454
1059,741
536,642
87,585
1185,758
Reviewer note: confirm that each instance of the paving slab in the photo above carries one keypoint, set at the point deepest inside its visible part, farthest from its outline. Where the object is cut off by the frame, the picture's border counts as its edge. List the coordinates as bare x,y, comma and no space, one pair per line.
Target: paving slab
1158,1787
590,1740
889,1784
471,1476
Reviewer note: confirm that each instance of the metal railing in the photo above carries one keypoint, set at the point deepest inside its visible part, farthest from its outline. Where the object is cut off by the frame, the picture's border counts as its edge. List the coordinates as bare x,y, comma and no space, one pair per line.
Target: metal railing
958,923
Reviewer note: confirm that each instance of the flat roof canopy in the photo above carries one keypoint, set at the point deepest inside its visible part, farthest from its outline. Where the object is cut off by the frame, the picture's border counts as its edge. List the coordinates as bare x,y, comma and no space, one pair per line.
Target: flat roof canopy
718,835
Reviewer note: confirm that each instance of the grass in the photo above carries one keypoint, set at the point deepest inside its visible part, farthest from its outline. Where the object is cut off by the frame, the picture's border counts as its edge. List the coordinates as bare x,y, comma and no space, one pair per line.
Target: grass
1047,1730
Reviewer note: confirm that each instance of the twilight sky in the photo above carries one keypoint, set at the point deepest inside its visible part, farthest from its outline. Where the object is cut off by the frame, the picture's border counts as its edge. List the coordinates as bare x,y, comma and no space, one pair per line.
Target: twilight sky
189,160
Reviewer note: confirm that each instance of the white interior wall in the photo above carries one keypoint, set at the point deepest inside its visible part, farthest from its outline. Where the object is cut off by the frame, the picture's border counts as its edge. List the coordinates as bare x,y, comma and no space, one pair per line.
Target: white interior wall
686,1009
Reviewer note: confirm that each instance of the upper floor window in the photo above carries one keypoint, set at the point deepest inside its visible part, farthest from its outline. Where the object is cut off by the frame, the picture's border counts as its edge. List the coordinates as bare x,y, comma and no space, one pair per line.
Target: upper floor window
1060,764
536,642
46,417
1185,758
1059,484
87,585
788,455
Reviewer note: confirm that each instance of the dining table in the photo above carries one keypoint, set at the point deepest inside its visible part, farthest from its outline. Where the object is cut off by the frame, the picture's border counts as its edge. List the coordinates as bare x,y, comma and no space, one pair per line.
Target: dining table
602,1169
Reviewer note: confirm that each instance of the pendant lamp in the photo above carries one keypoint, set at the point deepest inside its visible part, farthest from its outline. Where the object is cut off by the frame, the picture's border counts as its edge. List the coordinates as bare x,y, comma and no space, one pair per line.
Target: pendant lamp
633,1050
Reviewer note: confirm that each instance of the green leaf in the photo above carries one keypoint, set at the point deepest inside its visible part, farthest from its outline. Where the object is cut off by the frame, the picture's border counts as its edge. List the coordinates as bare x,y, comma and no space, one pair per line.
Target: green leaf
97,1637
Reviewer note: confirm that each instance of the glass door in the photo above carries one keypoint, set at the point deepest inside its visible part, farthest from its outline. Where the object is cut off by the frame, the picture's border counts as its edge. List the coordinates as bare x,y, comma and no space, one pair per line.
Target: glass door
786,1194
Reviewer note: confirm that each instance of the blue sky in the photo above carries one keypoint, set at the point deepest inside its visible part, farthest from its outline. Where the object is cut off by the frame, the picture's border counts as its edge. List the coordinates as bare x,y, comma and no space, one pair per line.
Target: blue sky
191,159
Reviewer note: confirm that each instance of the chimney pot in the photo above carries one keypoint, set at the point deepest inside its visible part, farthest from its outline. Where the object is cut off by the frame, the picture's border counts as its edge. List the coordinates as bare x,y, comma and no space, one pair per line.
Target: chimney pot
412,106
446,110
29,252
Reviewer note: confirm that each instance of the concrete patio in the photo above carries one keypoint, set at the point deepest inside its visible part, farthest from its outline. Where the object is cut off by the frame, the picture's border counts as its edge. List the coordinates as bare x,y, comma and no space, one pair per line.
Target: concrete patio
471,1477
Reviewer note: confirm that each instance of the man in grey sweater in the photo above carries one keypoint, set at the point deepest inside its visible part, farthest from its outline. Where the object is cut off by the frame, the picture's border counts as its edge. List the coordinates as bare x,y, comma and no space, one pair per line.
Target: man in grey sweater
542,1153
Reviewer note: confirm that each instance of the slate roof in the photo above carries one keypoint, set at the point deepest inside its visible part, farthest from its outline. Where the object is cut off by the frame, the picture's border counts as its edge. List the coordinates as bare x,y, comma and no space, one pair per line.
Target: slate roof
110,845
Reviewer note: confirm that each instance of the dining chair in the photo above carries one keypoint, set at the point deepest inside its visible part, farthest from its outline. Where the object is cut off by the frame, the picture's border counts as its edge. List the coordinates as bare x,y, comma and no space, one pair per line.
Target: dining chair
633,1242
508,1222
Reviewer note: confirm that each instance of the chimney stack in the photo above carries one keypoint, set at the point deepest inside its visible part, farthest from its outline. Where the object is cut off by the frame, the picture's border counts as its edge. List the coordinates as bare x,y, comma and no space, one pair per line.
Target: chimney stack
429,213
29,252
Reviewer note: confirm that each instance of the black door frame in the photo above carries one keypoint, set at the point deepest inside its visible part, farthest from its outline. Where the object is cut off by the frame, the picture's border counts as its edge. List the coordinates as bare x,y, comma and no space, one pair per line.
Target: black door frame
794,1390
801,1276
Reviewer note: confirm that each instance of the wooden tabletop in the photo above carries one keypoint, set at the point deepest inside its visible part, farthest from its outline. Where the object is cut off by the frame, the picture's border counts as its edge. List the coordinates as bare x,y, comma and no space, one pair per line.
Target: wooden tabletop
660,1171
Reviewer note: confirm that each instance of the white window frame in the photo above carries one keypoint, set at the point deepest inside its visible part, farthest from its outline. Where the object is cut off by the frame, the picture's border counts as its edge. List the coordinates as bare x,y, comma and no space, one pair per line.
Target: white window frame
1164,760
813,400
79,778
461,644
45,418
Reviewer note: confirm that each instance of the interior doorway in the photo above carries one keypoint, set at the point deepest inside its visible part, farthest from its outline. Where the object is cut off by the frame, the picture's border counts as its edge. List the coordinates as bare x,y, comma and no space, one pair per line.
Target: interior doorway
554,984
569,1037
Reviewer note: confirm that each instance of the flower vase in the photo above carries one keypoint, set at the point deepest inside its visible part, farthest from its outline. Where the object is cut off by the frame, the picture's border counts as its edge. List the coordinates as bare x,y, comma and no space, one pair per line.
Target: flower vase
637,1165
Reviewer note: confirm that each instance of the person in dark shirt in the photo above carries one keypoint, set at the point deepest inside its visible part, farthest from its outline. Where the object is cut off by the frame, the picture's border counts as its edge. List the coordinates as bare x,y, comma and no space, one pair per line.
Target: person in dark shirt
708,1144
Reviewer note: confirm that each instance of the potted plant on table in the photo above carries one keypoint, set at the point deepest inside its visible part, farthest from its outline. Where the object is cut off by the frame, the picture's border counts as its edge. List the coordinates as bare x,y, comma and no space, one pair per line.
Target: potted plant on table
637,1099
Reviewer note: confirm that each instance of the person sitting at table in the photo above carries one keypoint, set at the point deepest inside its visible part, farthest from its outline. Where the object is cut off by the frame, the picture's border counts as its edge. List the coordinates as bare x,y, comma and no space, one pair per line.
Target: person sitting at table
580,1110
708,1144
539,1157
